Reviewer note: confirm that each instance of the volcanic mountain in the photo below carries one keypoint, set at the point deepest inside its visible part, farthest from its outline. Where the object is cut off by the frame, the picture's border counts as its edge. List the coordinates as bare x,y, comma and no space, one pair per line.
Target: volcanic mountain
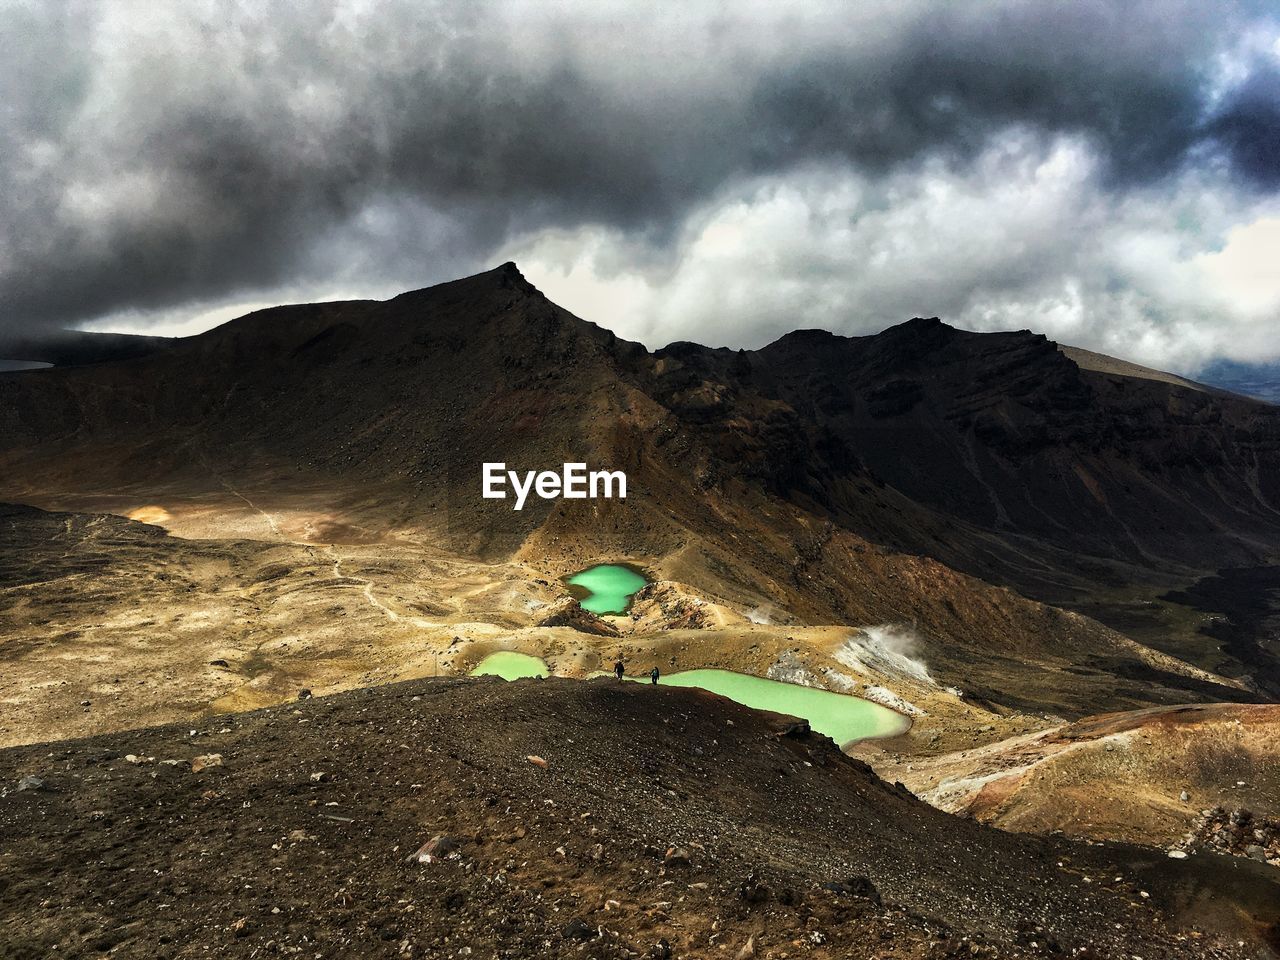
774,477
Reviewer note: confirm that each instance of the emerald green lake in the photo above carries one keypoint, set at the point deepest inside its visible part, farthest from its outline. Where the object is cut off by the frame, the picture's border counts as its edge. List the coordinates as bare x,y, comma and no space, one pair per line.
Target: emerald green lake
837,715
607,587
510,665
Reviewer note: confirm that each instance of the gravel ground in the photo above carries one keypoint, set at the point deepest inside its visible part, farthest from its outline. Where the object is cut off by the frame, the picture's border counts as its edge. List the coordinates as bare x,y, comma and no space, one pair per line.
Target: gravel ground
570,818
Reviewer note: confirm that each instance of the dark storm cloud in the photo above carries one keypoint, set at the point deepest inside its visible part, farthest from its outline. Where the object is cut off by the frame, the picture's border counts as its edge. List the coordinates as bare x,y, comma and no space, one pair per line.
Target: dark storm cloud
225,149
1131,80
1248,125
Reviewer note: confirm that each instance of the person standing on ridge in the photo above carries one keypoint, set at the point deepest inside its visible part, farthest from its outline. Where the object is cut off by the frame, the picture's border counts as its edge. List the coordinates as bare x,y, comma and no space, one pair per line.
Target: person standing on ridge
653,676
619,669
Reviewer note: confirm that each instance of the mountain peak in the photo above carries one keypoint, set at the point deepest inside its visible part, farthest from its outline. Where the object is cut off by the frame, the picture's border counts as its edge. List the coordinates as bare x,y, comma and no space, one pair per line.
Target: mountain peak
808,335
506,276
918,325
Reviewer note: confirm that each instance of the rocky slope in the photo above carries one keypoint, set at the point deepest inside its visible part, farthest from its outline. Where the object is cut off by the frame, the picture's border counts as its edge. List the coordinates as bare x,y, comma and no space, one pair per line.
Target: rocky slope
1000,456
1168,776
556,818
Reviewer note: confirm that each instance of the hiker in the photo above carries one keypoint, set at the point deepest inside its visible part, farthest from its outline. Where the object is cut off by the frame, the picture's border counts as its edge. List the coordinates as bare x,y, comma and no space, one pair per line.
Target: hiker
653,676
619,669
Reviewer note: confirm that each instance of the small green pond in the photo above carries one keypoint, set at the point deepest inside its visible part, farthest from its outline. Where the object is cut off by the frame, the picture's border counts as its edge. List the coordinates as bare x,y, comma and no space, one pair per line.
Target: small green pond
606,587
510,665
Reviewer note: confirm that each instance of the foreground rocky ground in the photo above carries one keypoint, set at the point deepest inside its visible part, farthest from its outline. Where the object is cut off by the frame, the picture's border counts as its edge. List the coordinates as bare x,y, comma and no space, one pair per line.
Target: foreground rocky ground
555,818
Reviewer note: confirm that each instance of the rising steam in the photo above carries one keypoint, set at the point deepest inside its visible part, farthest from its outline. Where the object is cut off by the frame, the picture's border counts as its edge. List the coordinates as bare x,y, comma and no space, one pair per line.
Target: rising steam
888,649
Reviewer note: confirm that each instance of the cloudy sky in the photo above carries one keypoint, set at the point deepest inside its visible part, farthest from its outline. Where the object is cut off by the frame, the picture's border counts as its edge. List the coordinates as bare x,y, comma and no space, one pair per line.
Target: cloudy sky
1105,171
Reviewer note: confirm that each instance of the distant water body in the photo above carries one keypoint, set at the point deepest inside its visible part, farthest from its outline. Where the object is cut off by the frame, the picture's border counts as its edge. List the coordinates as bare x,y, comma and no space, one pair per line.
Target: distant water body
843,718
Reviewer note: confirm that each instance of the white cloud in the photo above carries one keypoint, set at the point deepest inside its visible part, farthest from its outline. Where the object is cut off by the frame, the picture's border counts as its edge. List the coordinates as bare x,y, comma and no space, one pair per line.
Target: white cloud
1026,237
1247,269
199,317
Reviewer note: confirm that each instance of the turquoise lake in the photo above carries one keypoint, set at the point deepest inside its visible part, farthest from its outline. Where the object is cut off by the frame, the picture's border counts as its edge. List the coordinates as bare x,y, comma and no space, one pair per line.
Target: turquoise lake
510,665
606,587
839,716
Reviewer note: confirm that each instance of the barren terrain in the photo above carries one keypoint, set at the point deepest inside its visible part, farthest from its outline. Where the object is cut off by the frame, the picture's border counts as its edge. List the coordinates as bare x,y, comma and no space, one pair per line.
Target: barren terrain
574,818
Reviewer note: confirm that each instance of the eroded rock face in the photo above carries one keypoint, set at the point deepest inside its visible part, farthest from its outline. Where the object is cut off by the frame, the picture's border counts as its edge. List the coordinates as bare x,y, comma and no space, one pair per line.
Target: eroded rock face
569,613
667,606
